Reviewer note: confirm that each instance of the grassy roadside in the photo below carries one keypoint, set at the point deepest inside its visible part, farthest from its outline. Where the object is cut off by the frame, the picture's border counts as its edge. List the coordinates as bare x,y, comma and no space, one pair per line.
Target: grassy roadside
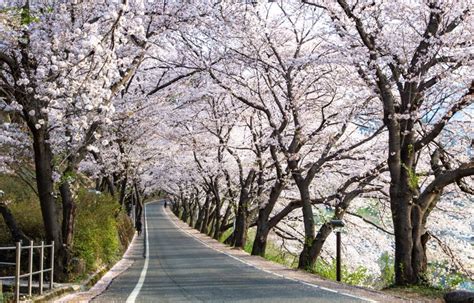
102,234
358,277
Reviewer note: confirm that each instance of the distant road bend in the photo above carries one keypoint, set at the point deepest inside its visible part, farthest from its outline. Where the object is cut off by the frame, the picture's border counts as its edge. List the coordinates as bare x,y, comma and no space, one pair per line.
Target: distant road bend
180,268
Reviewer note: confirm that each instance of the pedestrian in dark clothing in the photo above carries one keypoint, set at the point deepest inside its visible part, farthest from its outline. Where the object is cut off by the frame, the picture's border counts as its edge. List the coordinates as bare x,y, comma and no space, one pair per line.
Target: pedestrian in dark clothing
166,204
138,226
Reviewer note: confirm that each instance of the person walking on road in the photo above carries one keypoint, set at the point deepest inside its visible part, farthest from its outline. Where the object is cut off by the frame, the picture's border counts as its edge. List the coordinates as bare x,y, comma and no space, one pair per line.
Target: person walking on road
138,226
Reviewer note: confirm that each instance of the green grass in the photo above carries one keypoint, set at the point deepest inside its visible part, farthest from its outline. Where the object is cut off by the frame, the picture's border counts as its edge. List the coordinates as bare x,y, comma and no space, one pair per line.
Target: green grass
25,207
250,239
322,268
359,276
225,235
273,252
417,291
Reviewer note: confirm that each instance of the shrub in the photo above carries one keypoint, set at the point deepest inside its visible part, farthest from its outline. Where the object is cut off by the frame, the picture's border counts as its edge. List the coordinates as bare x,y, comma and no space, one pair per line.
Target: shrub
102,230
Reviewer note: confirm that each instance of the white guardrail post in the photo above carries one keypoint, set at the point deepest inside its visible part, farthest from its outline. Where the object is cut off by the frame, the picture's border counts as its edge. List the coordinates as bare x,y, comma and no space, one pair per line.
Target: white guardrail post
52,265
30,269
17,271
41,267
41,270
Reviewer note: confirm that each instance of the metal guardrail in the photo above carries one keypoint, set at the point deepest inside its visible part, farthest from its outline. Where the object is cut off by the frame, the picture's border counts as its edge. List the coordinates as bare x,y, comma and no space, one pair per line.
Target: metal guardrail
18,275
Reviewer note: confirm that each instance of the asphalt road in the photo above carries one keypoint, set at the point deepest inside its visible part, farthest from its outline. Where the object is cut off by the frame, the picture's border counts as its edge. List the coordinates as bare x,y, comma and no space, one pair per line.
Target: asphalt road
182,269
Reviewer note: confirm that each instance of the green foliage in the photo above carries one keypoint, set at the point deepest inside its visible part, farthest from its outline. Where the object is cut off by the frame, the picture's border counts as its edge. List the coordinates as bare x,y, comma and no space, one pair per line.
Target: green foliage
322,214
24,206
69,176
250,239
23,15
27,17
442,276
96,240
225,235
276,254
413,178
387,269
359,276
370,211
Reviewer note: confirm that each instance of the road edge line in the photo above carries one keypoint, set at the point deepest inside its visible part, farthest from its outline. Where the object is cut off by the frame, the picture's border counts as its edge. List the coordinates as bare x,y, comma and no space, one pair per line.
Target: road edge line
134,294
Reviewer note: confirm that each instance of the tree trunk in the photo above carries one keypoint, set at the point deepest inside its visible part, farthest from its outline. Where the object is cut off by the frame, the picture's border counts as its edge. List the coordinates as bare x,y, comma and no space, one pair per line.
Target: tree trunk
305,260
192,215
185,213
123,188
69,218
224,220
44,181
17,234
217,214
260,242
200,217
419,258
241,225
318,242
400,198
205,214
263,226
239,236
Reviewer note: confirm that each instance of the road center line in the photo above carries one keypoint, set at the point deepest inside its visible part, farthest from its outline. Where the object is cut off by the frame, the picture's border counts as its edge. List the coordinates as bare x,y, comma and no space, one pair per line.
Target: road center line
133,295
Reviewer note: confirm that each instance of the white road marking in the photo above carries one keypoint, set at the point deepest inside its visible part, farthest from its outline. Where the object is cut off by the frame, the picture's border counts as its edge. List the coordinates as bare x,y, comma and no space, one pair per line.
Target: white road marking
264,270
133,295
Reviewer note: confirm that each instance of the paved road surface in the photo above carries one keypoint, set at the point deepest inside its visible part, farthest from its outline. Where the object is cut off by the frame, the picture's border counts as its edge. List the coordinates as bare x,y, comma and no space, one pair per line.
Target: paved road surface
182,269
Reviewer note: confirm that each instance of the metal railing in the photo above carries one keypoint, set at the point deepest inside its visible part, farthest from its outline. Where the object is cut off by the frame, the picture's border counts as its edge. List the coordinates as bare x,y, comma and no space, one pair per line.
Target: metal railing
41,271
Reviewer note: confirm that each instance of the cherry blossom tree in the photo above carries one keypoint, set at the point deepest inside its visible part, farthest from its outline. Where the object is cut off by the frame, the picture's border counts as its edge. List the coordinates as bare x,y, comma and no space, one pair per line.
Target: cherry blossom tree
416,58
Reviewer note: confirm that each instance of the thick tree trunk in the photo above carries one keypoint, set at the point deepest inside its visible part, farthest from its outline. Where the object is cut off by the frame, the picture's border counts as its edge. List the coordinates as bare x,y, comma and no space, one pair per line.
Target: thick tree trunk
419,258
241,225
260,242
239,236
217,214
224,220
184,213
192,215
205,218
401,199
123,190
305,260
200,217
212,219
44,181
263,226
69,219
17,234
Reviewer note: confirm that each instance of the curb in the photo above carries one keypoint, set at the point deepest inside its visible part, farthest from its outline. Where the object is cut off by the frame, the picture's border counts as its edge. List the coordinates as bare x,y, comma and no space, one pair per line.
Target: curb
55,293
98,283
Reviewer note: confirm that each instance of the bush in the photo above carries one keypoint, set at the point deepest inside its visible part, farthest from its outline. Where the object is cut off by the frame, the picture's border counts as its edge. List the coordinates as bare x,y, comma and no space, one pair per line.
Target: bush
102,230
